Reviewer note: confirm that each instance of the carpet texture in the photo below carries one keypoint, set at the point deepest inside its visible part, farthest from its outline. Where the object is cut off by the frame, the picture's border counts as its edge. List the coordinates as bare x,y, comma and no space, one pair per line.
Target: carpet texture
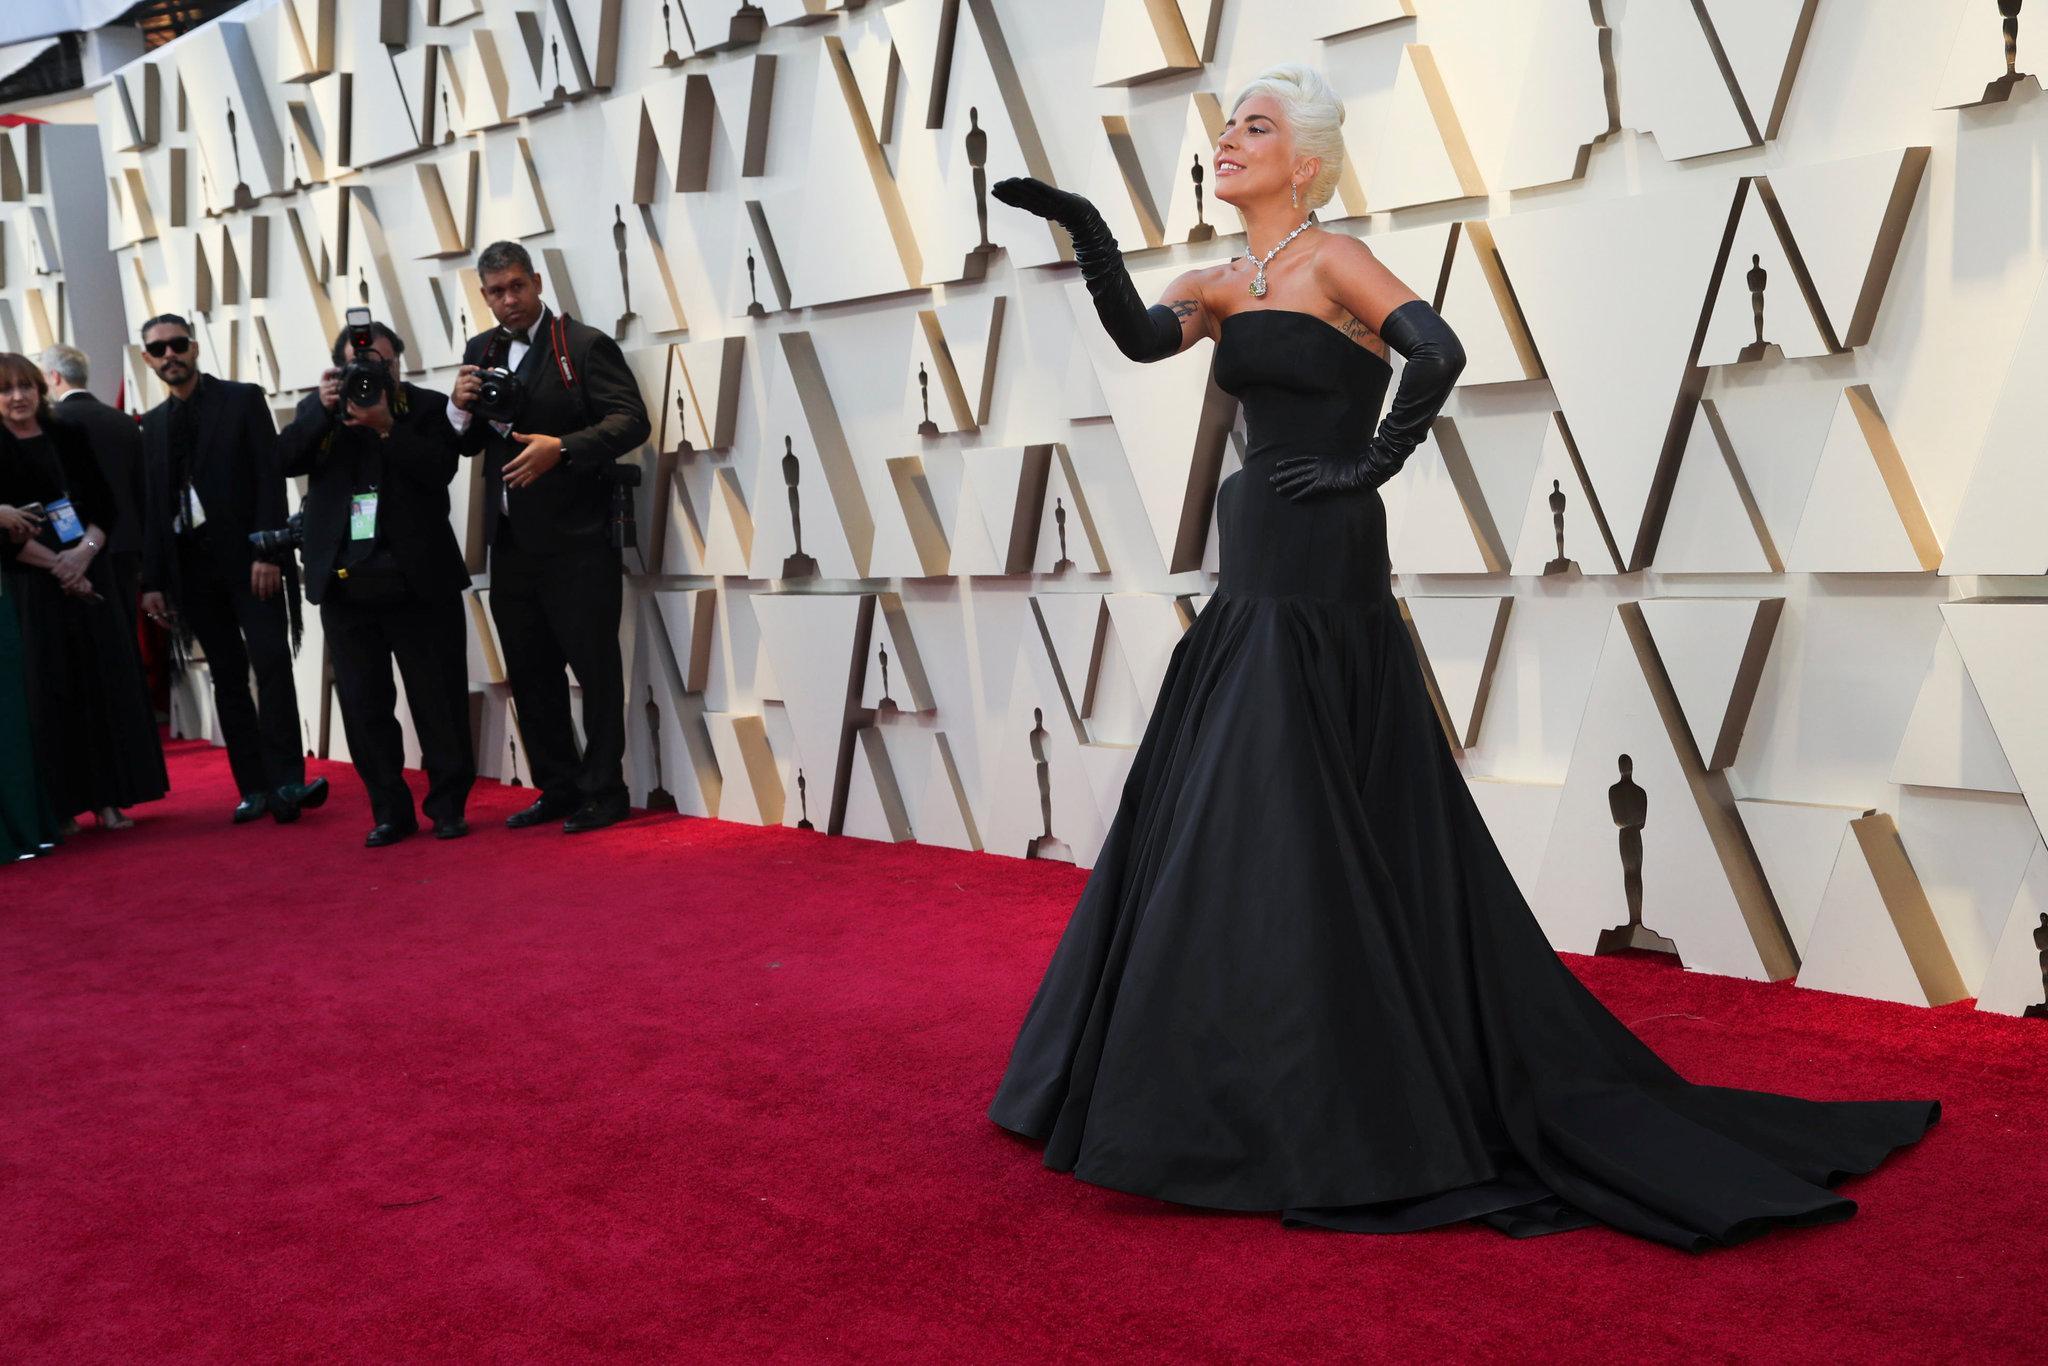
685,1090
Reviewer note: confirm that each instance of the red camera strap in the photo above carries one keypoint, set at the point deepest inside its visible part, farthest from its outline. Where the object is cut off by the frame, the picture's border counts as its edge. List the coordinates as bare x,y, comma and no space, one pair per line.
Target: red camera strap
558,327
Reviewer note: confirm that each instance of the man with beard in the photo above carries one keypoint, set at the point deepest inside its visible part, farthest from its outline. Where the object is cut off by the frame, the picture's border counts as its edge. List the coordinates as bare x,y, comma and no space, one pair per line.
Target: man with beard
210,477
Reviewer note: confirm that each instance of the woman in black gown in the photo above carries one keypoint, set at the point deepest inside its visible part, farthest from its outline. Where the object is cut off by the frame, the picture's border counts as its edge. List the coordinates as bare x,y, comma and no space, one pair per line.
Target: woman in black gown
88,707
1301,977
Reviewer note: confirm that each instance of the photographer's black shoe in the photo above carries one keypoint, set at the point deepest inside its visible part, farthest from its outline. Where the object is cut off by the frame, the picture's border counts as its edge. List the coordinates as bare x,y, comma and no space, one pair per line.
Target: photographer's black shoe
545,809
381,835
251,807
312,796
595,816
451,830
284,804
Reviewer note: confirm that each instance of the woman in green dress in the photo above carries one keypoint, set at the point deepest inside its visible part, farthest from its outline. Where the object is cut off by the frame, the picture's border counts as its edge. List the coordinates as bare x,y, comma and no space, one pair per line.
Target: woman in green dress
26,827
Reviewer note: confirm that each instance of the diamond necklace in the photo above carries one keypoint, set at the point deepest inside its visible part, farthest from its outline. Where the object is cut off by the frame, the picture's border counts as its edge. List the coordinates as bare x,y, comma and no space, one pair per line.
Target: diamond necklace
1258,285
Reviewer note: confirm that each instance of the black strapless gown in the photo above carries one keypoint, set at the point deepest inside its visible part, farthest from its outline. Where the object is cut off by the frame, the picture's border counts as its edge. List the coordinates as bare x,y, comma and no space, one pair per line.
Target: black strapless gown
1301,977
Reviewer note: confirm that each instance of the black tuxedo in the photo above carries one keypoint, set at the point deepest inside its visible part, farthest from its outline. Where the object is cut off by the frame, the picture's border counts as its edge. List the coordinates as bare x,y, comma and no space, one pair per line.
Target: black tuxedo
556,581
231,462
421,624
600,419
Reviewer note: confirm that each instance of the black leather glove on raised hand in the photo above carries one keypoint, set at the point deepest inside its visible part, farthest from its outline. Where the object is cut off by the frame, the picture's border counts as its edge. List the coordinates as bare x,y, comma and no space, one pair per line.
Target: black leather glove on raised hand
1139,332
1434,360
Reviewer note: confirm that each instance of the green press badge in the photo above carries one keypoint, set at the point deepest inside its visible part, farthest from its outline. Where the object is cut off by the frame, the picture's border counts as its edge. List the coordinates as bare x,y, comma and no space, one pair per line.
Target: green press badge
362,516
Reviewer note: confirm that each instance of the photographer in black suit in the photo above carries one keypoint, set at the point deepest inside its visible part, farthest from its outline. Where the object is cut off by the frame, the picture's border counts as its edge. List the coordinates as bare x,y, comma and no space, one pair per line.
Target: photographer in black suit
210,477
382,563
550,405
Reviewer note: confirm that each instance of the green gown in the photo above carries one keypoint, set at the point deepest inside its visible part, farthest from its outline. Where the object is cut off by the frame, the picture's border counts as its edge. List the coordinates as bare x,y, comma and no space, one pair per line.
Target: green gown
25,823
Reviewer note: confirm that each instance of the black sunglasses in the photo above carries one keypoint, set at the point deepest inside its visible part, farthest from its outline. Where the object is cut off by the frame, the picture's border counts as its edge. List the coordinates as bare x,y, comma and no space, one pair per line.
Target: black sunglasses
177,346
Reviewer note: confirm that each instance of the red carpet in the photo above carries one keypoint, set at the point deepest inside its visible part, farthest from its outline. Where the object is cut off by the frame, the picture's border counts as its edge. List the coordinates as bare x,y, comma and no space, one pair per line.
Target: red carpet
684,1090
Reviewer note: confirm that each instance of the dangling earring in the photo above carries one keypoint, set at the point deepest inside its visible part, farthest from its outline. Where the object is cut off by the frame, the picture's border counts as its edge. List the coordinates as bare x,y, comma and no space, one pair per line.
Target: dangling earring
1294,196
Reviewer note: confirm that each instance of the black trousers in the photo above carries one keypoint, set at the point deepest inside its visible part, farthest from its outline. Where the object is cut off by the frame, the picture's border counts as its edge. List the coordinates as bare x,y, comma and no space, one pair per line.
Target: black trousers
429,640
555,611
237,630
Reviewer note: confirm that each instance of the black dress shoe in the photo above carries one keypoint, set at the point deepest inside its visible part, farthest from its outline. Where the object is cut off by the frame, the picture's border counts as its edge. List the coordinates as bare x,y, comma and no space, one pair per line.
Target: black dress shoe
381,835
544,809
284,804
451,830
312,796
251,807
595,816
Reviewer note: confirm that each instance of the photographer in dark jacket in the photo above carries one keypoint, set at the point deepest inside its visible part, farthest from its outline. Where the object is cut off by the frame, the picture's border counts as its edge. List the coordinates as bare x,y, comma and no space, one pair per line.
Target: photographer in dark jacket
556,585
382,562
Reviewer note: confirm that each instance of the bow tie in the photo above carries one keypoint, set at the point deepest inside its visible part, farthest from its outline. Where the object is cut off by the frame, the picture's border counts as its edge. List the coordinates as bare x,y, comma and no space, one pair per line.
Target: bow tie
525,337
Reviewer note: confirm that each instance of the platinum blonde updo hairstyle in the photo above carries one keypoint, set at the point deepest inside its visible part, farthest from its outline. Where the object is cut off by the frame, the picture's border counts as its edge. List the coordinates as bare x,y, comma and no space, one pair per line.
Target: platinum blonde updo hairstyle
1315,116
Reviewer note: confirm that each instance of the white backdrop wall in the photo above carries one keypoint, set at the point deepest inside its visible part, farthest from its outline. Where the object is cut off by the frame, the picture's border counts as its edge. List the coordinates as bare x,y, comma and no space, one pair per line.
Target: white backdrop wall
1795,576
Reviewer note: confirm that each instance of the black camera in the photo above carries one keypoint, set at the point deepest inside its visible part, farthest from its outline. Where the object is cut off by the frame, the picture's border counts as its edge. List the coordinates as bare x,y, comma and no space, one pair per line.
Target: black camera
501,395
365,379
624,479
273,546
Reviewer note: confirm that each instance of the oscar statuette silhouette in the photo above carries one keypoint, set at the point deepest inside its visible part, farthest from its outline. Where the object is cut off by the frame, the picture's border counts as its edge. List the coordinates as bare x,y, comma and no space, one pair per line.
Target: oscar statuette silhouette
976,265
1756,278
803,803
2040,1012
1560,565
668,37
243,199
749,22
2009,24
658,797
887,703
798,565
1046,845
924,396
625,280
682,444
1201,232
1059,521
754,309
1629,804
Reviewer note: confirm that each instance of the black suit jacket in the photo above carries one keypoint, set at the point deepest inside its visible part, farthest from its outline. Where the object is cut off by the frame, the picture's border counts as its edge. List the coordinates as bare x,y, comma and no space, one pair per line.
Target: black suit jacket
116,443
419,460
234,472
600,419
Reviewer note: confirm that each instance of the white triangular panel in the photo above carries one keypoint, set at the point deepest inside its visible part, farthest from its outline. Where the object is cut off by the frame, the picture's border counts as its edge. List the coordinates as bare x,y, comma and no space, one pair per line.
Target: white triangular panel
1708,528
1950,742
2016,979
1851,522
1461,640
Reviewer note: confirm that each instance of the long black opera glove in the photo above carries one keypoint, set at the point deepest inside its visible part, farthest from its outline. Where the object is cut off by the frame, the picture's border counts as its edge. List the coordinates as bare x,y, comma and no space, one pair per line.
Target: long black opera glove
1139,332
1434,361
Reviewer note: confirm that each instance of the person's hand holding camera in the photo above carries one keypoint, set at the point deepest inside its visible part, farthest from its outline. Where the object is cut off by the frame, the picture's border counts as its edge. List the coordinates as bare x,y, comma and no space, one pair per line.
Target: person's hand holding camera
468,388
377,416
330,389
541,454
17,525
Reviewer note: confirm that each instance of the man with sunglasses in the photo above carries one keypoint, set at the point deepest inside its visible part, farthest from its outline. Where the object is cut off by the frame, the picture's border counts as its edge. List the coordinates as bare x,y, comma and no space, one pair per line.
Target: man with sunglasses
211,477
